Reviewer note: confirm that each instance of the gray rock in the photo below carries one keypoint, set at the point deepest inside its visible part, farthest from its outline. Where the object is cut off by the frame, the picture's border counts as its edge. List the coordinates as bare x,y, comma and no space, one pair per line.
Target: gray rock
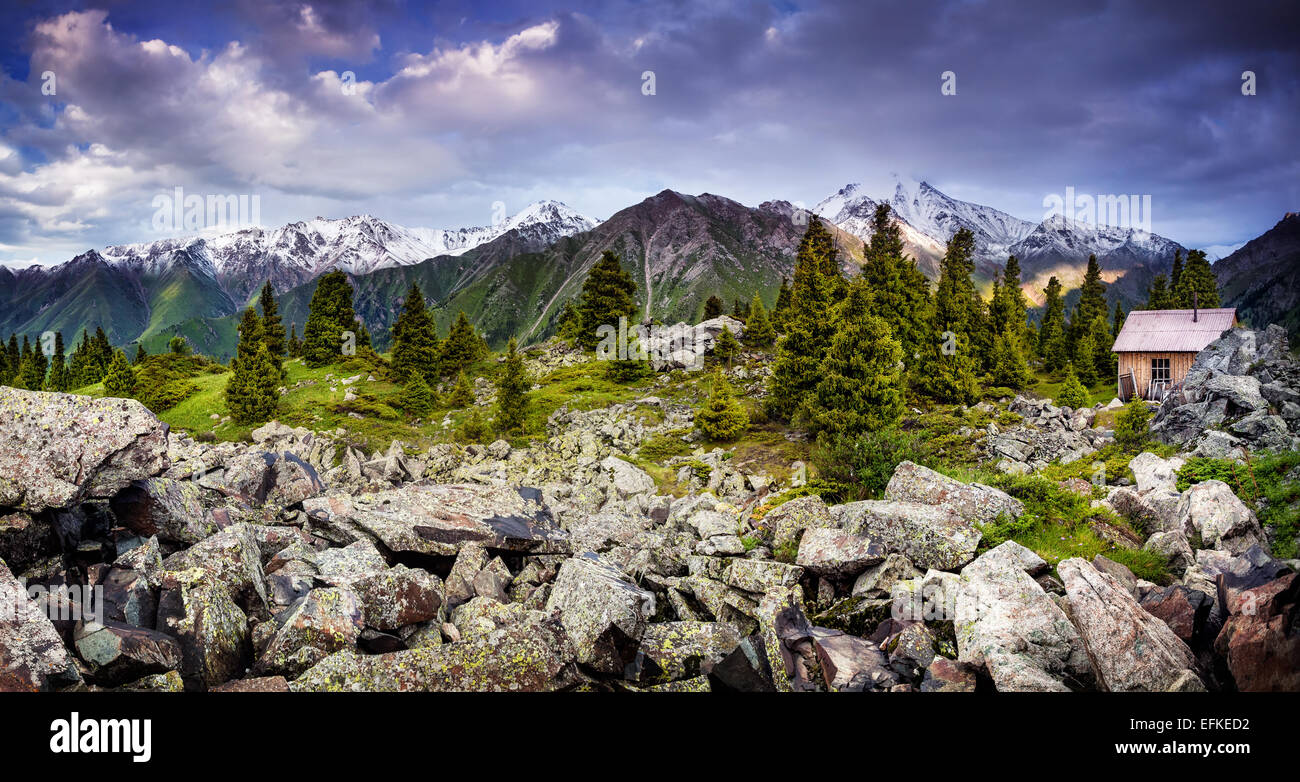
1173,548
1153,473
603,612
1130,650
788,520
325,621
878,580
832,552
32,655
931,537
673,651
170,509
973,502
760,576
626,478
118,653
57,450
1211,510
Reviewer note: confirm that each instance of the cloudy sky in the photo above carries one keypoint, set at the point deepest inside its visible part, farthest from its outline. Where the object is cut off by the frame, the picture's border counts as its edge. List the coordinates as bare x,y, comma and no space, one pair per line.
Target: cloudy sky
451,107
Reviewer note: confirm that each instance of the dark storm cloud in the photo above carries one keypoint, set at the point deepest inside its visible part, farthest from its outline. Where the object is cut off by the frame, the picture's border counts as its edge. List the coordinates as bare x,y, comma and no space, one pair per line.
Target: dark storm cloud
458,106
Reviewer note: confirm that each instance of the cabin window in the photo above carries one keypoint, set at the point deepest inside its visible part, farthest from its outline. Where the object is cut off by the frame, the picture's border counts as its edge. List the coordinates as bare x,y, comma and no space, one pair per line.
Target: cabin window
1160,369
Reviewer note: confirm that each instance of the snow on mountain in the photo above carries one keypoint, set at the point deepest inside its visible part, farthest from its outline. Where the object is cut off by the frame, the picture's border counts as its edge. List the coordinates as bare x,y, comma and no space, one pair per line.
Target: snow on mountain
1123,248
300,251
851,209
939,216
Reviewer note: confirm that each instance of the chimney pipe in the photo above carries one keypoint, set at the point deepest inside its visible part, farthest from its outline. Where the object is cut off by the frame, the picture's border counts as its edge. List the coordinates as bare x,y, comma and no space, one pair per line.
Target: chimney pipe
1195,305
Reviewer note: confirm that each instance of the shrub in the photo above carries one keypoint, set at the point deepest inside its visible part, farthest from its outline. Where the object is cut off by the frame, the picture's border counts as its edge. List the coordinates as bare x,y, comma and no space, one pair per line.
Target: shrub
1132,426
722,417
1073,394
864,464
474,426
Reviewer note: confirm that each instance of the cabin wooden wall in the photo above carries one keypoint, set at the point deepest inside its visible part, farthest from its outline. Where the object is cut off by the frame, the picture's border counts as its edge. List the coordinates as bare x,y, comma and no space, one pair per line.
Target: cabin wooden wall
1140,365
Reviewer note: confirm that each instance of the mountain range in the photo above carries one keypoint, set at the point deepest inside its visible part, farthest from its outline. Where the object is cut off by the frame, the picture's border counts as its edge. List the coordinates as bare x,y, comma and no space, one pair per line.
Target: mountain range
512,278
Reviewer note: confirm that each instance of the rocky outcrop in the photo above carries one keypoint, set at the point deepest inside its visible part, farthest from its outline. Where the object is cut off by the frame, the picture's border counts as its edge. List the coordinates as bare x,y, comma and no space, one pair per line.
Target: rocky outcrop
59,449
974,502
1046,434
930,536
1241,391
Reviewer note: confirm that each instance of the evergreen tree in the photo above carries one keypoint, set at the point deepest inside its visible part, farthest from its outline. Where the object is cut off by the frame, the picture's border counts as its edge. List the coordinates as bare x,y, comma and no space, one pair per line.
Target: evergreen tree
119,381
861,379
900,292
4,366
512,391
415,340
1010,367
950,357
417,398
726,348
1197,286
15,360
569,327
1087,367
722,418
738,312
462,395
330,315
251,390
1073,394
1051,336
295,344
272,329
782,308
758,327
808,334
712,308
1117,322
1092,302
1132,425
58,379
462,347
1104,361
1177,274
1158,295
140,354
608,294
34,366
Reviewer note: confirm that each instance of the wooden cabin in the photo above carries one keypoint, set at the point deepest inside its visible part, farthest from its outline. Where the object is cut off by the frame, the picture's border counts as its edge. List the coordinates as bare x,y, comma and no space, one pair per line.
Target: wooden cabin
1157,347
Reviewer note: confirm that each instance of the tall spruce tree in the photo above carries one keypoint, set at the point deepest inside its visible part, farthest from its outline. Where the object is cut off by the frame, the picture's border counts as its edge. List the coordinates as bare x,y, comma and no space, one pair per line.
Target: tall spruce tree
462,347
1051,336
900,292
417,398
607,294
799,354
34,366
1117,322
295,345
1197,286
4,366
251,389
140,354
272,329
861,379
1010,367
782,307
512,391
15,360
1092,302
950,358
1105,362
119,380
569,327
58,379
1158,294
726,348
415,340
758,328
462,394
1176,274
330,316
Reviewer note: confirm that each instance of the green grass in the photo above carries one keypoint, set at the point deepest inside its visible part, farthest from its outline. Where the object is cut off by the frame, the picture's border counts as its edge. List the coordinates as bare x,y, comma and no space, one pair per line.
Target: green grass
1049,385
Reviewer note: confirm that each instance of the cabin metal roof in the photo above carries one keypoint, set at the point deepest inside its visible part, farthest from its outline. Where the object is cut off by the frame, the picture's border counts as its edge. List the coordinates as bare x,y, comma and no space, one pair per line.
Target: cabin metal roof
1172,331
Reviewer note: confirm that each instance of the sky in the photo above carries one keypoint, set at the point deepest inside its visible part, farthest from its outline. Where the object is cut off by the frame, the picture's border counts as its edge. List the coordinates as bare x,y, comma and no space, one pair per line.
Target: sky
437,114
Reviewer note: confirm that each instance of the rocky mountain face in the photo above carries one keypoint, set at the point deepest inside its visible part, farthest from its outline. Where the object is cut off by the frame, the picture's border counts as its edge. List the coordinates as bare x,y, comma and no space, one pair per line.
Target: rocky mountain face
147,292
297,562
1262,278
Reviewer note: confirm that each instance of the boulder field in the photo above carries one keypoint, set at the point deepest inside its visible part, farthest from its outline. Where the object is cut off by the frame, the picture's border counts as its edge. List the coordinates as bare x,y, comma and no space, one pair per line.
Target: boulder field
298,563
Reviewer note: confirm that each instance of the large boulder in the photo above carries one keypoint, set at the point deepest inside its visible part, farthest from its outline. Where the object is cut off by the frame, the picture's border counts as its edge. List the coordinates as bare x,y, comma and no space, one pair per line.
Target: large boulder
626,478
974,502
832,552
1153,473
212,631
788,520
673,651
438,519
603,612
325,621
1006,624
57,450
32,655
533,654
1210,509
118,653
171,509
1131,650
930,536
1261,639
